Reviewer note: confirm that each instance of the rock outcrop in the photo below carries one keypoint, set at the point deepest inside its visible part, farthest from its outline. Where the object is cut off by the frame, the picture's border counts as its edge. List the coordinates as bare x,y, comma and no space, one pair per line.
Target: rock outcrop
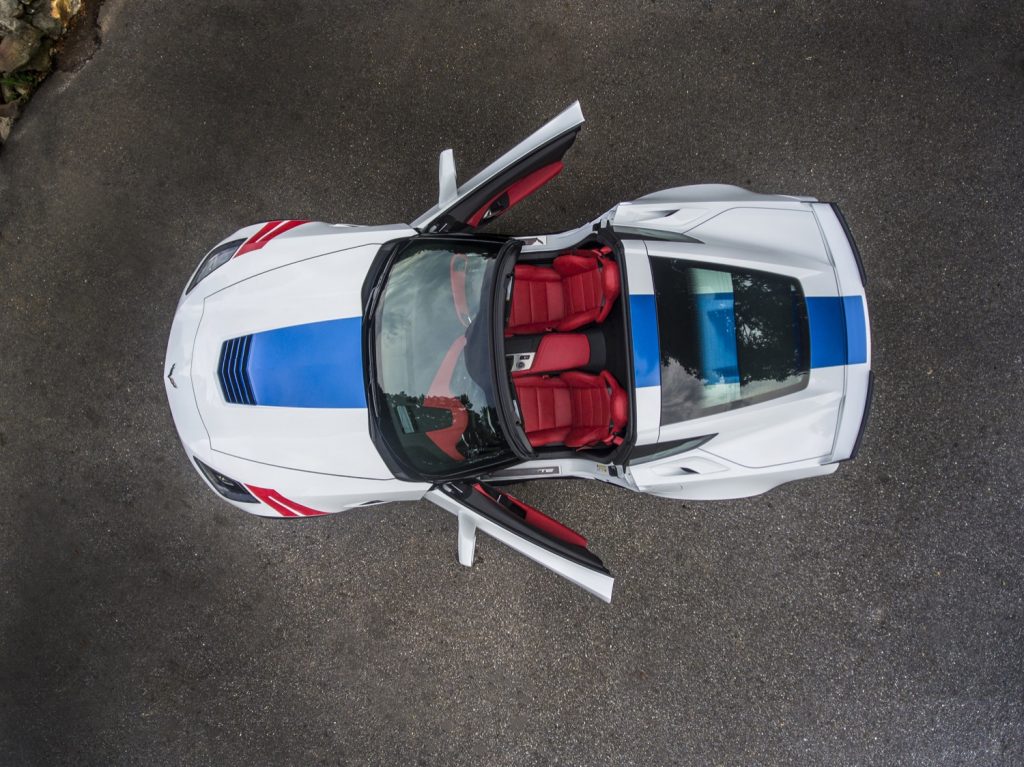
28,31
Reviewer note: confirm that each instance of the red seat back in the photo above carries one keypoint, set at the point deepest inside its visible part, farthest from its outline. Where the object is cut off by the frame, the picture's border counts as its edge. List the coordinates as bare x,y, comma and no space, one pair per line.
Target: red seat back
546,407
578,289
537,301
575,409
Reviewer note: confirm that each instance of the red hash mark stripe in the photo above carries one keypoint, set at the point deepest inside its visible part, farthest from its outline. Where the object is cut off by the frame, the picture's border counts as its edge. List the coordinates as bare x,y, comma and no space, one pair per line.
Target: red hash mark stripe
283,506
267,232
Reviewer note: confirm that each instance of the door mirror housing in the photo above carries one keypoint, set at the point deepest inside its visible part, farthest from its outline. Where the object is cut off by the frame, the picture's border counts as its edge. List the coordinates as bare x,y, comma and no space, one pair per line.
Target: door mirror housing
447,187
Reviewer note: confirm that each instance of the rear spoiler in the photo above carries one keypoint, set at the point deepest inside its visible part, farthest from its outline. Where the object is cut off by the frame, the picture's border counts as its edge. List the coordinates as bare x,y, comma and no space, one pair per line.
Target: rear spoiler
864,418
851,278
853,243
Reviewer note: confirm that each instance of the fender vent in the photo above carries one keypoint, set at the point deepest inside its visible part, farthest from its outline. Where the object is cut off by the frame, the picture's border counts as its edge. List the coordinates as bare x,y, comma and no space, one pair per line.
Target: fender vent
234,377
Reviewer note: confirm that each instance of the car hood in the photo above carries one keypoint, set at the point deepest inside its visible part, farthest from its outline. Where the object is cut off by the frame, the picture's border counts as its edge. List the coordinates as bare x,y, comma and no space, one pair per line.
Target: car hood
277,367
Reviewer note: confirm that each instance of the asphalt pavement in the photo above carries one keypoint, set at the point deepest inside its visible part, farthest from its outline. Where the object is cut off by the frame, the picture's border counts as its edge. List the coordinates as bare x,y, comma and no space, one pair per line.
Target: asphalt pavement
874,617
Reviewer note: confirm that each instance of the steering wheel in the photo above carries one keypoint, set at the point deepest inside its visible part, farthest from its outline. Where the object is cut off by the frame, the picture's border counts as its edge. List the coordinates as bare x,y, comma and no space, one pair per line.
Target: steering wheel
457,269
440,396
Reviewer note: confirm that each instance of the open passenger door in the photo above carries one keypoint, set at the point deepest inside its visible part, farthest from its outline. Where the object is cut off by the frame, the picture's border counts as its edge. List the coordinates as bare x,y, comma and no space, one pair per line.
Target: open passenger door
523,528
512,177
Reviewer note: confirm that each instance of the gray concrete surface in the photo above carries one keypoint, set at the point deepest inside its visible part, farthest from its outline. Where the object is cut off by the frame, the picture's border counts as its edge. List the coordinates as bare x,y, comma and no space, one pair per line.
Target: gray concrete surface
874,617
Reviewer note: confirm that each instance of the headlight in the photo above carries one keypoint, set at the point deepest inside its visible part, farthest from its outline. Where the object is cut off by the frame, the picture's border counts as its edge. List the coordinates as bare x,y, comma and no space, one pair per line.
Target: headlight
226,486
215,259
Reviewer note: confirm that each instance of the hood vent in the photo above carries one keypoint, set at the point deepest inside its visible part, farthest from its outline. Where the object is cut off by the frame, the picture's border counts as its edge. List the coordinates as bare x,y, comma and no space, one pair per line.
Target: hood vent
232,370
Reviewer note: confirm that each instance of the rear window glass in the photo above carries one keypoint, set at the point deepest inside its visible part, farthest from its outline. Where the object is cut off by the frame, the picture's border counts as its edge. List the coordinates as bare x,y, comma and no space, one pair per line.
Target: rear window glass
728,337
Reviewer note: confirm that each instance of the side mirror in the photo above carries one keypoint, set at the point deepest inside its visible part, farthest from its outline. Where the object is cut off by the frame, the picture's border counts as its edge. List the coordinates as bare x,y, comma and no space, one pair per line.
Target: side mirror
447,188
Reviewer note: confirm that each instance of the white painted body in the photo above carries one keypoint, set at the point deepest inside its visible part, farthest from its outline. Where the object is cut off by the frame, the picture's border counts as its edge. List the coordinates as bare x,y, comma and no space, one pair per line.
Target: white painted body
324,458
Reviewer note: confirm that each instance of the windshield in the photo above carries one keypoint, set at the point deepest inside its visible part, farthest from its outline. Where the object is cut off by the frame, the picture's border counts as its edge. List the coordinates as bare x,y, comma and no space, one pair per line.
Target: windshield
432,357
728,337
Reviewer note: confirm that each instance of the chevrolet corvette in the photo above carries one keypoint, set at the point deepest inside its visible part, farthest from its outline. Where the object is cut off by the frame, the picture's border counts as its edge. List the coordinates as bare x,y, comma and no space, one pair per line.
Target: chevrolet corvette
701,342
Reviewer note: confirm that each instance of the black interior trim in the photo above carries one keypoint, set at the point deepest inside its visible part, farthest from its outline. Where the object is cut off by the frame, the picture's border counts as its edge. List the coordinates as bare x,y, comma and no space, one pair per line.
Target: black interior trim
509,420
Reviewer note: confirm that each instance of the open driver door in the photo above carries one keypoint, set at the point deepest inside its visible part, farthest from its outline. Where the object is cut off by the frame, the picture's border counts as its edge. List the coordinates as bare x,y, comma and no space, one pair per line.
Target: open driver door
483,508
508,180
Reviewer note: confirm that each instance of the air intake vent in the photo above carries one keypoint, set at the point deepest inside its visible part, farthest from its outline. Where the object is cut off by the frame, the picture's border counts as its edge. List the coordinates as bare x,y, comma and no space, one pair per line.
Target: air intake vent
234,377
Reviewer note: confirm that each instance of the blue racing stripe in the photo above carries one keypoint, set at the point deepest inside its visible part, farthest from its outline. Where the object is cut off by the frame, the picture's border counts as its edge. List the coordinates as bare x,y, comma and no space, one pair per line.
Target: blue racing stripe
839,334
319,364
856,330
719,358
643,317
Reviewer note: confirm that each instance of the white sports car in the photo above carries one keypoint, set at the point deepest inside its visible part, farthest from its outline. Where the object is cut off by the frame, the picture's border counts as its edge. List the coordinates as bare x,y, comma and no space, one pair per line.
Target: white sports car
700,342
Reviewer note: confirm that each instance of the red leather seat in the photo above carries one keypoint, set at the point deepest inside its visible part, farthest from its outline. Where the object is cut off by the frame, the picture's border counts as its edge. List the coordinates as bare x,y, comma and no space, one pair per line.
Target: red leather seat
575,409
577,289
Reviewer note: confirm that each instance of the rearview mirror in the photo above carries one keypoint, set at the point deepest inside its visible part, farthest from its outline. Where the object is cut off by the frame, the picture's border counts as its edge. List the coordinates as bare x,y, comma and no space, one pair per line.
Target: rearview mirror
447,188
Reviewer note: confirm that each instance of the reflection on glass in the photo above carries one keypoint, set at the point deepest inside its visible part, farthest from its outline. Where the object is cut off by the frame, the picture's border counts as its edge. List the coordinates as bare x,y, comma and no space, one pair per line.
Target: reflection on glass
728,337
432,357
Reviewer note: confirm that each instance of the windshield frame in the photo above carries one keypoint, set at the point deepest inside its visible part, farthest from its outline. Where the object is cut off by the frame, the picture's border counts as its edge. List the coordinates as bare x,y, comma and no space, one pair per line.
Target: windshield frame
509,410
373,289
